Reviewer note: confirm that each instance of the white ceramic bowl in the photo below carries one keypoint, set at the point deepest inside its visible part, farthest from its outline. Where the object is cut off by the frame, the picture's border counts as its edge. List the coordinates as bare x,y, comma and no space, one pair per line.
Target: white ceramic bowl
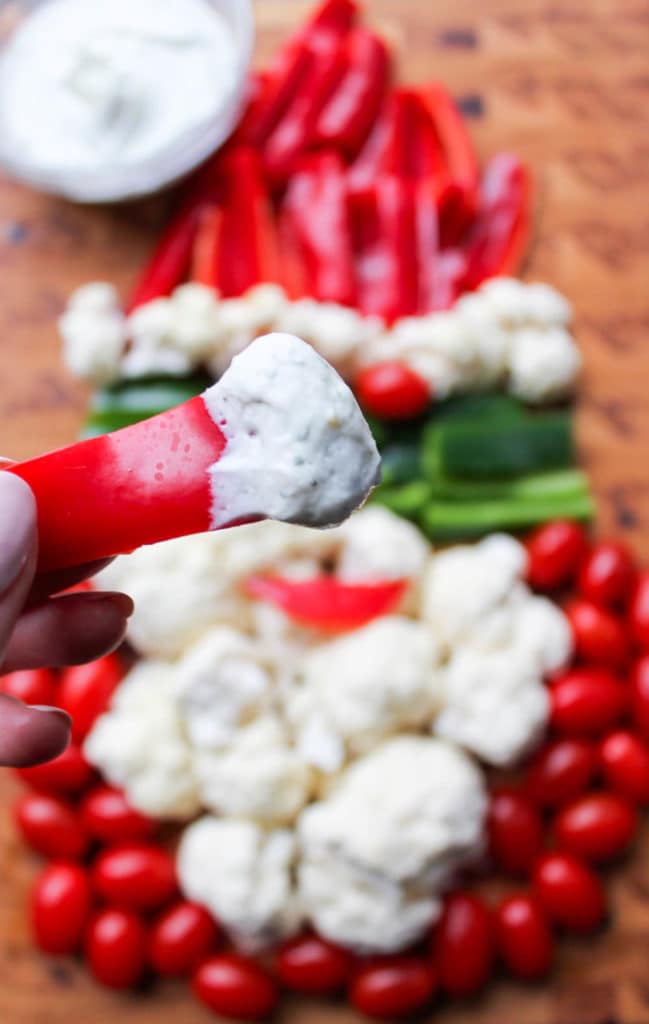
117,183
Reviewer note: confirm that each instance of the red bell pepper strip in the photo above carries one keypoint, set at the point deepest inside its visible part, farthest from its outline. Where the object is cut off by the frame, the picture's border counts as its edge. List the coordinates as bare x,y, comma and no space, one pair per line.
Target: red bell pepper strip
169,265
248,247
294,132
427,227
113,493
259,84
316,201
456,142
292,271
449,280
326,602
346,119
497,242
286,77
206,246
385,248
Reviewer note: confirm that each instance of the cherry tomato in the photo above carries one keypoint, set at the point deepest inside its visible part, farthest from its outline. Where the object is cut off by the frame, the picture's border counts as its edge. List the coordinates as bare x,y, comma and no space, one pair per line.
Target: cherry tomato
569,892
515,831
607,575
235,987
600,637
523,937
597,827
639,612
313,965
640,695
555,551
67,774
586,702
560,772
139,876
115,948
60,908
463,945
31,686
50,826
392,391
181,937
85,691
395,987
107,815
625,763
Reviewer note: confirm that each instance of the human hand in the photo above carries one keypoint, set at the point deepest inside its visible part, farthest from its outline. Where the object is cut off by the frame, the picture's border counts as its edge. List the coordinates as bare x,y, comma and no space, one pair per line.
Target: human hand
38,629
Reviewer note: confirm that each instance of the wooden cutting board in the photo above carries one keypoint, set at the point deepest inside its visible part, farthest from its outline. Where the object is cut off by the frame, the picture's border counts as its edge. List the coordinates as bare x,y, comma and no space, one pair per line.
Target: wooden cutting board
564,83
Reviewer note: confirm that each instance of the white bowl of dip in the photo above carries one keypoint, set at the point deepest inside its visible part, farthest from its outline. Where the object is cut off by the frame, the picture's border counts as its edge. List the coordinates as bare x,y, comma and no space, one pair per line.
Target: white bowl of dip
107,100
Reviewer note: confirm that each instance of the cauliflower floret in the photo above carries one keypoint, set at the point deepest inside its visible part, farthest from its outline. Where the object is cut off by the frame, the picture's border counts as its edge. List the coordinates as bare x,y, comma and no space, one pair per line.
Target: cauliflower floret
469,590
542,633
243,319
357,908
365,686
391,835
543,364
335,331
183,587
378,545
180,589
139,745
489,340
94,333
547,306
495,705
435,346
258,775
194,320
507,301
221,684
153,349
242,874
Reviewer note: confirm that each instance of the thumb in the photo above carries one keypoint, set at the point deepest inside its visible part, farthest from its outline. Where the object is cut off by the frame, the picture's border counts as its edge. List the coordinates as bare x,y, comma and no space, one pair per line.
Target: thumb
31,735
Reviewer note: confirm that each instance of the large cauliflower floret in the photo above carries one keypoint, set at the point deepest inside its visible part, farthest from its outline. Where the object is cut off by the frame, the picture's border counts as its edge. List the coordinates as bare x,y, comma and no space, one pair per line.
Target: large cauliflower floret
358,689
494,704
153,348
94,333
140,746
468,591
336,332
182,588
243,875
259,775
543,365
221,685
380,849
375,544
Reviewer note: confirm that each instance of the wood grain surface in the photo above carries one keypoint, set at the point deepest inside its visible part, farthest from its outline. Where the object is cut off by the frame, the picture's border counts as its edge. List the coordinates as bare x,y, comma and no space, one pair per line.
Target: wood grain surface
566,84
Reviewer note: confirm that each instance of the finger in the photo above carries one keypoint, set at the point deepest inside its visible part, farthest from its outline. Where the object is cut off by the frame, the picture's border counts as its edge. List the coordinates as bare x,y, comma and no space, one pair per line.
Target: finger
68,630
17,550
49,583
31,735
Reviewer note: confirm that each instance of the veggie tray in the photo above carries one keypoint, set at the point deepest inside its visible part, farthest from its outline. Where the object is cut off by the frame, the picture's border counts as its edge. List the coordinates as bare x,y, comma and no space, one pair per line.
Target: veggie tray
597,710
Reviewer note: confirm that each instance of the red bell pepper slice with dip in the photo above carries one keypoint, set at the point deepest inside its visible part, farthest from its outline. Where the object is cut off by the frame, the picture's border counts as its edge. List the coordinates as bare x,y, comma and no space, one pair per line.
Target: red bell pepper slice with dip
326,602
346,119
316,202
248,251
278,436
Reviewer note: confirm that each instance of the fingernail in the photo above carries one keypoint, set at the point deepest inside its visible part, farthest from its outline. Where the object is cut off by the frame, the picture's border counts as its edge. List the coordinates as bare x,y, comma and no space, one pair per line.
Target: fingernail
17,527
50,710
123,602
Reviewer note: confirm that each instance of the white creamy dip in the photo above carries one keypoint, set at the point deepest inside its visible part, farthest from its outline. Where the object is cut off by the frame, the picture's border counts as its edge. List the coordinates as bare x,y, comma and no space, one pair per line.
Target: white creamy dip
298,448
87,85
